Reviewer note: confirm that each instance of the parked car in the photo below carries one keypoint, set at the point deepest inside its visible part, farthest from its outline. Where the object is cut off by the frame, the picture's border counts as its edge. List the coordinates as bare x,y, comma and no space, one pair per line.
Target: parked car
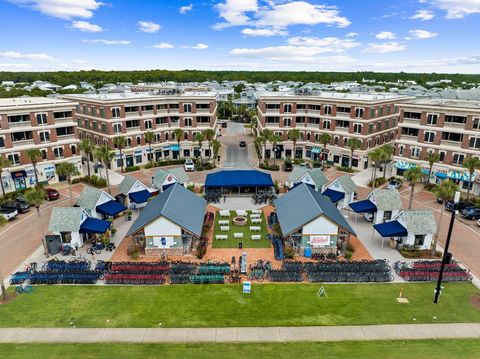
19,206
8,214
52,194
189,165
243,144
394,184
224,125
471,213
478,223
460,207
304,165
288,166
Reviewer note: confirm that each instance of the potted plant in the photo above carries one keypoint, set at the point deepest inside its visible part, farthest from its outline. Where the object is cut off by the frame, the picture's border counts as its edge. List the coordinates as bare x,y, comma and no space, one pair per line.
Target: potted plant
113,230
129,215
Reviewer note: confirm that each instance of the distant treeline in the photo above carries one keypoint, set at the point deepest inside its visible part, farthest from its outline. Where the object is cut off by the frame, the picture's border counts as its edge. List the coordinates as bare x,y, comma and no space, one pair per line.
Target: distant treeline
64,78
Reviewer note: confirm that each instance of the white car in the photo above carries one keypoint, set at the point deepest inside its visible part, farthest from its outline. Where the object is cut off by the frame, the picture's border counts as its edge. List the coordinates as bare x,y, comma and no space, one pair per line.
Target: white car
189,165
8,214
478,223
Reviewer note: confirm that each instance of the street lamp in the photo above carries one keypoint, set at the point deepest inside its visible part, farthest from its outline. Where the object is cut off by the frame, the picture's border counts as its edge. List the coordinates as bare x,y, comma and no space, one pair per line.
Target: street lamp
446,255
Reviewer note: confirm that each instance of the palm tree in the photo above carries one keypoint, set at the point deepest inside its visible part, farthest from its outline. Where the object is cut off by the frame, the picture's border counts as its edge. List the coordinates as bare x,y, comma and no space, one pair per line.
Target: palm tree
69,170
413,175
432,158
199,138
209,135
34,155
36,197
387,153
105,156
274,139
87,147
216,149
149,138
353,144
446,191
294,135
267,135
375,157
261,142
4,163
179,133
471,164
325,139
119,142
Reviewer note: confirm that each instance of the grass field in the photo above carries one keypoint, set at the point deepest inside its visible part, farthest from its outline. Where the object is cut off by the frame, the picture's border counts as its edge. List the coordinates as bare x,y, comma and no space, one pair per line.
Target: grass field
227,306
418,349
246,241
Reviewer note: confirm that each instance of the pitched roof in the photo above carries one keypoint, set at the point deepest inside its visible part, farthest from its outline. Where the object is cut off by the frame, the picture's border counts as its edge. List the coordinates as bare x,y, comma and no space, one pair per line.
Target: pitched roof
316,174
65,219
89,197
420,222
180,173
161,175
127,183
297,172
303,204
177,204
387,199
347,183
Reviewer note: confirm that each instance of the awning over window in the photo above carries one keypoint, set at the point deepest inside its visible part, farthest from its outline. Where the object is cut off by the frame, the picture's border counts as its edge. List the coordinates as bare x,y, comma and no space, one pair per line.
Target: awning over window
334,196
365,206
401,165
110,208
316,150
391,229
441,175
174,147
94,225
140,196
454,175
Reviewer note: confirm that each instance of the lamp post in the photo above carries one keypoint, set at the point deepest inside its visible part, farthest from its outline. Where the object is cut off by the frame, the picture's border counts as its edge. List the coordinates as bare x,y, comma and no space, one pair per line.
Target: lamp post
445,252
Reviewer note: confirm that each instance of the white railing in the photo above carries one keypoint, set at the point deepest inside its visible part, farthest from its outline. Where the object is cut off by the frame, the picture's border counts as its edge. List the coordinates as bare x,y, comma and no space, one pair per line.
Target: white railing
451,143
20,124
23,143
409,138
453,124
66,137
313,125
162,125
133,129
341,129
272,125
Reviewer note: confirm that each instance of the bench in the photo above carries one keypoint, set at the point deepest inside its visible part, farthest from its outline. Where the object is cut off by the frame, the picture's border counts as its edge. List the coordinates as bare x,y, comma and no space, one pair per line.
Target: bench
255,228
224,228
255,215
238,235
255,237
256,220
224,222
256,211
221,237
241,212
224,213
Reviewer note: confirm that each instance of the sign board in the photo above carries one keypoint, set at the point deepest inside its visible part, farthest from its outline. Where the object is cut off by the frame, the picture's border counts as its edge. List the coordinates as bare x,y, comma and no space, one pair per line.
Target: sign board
19,174
318,241
247,287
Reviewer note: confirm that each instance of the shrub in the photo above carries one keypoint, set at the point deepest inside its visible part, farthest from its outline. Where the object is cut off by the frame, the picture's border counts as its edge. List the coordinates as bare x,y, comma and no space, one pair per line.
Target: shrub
348,255
344,169
169,163
377,182
276,229
149,165
191,188
298,161
131,168
288,252
132,251
263,166
350,248
430,186
93,180
201,251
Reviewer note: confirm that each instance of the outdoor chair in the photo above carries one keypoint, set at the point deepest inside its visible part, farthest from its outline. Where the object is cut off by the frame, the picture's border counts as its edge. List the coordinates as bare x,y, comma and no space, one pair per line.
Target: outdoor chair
224,222
255,237
224,213
241,212
221,237
255,228
238,235
224,228
256,220
256,211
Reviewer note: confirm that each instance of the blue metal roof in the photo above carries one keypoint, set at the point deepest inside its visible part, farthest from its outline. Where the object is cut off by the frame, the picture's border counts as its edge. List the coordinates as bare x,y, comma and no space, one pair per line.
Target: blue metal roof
110,208
365,206
391,229
94,225
334,196
239,178
140,196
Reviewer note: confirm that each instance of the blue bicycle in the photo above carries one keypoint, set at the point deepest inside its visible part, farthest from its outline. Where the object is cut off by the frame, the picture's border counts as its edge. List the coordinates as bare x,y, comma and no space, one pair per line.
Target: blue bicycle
24,288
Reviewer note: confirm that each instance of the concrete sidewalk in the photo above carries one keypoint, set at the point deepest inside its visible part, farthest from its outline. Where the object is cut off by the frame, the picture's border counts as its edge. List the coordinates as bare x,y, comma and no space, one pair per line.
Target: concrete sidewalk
239,335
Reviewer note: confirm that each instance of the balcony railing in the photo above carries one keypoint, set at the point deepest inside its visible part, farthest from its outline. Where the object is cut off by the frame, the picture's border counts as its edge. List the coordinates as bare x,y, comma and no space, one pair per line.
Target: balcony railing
269,124
409,137
23,143
133,129
66,137
341,129
411,121
453,124
132,114
162,125
313,125
203,124
19,124
451,143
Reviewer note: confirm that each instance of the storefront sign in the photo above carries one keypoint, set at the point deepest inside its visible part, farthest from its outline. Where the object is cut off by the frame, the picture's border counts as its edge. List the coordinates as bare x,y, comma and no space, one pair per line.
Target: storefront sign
318,241
247,287
19,174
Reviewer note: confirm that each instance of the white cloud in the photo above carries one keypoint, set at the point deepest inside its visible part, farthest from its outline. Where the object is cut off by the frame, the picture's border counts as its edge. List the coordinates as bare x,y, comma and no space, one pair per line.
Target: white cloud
86,26
163,45
200,46
352,34
384,47
423,15
385,35
148,27
29,56
457,9
235,12
185,9
63,9
328,44
422,34
264,32
107,42
15,67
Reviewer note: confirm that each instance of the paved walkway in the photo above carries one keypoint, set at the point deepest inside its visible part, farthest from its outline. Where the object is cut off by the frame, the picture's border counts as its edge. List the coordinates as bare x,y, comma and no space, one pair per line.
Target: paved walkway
239,335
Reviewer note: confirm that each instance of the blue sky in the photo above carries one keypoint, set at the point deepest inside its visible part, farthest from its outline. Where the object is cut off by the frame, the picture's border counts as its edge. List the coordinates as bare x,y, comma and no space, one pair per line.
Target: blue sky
334,35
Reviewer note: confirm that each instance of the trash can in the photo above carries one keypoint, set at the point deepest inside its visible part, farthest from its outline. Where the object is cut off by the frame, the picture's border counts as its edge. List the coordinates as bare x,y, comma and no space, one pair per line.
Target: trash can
307,252
240,245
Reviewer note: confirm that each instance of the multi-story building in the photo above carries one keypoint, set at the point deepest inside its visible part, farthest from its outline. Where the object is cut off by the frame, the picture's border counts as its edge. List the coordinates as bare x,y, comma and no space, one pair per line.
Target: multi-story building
36,122
370,117
450,128
102,117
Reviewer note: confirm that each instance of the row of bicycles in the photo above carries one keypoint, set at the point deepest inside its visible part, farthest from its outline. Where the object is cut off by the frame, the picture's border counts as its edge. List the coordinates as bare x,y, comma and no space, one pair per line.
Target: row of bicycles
259,270
429,271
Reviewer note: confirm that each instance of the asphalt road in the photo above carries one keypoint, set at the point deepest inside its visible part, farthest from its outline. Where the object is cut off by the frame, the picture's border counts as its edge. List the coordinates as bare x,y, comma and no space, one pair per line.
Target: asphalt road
237,157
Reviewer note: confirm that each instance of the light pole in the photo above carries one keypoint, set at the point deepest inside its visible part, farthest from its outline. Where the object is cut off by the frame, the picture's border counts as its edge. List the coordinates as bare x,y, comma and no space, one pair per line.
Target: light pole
446,255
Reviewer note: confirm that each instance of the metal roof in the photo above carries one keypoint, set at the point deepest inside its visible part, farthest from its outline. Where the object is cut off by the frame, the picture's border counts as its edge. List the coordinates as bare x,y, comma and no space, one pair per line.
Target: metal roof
161,175
420,222
177,204
65,219
316,174
387,199
302,205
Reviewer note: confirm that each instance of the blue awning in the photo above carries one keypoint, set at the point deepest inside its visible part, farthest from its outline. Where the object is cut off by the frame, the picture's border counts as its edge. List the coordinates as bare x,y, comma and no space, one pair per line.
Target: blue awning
140,196
110,208
425,171
238,178
316,150
391,229
402,165
94,225
454,175
334,196
441,175
365,206
174,147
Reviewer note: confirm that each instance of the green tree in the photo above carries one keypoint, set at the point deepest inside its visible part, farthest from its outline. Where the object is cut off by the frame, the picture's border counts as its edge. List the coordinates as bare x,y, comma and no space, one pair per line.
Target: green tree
432,158
294,135
199,138
387,153
69,170
325,139
374,157
34,154
4,163
149,138
209,135
471,164
267,135
179,133
105,156
413,175
86,146
353,144
216,149
119,143
446,191
261,142
36,197
274,139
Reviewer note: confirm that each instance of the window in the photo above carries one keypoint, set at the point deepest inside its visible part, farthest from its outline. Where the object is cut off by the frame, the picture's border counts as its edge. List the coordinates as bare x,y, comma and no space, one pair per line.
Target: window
400,150
432,119
379,126
132,109
287,108
148,124
129,142
102,112
117,128
327,109
335,141
386,122
326,124
287,122
73,148
458,158
476,124
44,136
272,106
41,118
185,136
63,114
187,107
357,128
188,122
474,142
380,111
372,112
115,112
419,239
14,159
359,112
343,109
441,156
456,120
415,152
370,128
429,137
138,158
147,108
2,141
407,131
104,128
412,115
451,136
58,152
44,153
139,140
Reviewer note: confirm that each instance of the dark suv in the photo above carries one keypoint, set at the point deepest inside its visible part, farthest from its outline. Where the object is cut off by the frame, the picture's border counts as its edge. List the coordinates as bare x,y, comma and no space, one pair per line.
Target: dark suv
287,166
471,213
460,206
18,205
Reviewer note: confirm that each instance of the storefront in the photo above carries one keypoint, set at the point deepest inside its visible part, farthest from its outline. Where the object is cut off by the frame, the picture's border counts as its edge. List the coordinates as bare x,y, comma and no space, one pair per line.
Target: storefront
175,151
19,180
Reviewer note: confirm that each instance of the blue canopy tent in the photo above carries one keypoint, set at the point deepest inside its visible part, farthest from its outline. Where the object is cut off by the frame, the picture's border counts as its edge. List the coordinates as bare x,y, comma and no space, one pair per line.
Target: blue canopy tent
238,179
140,196
334,196
391,229
365,206
94,225
110,208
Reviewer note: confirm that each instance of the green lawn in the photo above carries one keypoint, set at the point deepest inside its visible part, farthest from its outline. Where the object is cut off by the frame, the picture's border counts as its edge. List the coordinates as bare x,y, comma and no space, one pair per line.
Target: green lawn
417,349
227,306
247,241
